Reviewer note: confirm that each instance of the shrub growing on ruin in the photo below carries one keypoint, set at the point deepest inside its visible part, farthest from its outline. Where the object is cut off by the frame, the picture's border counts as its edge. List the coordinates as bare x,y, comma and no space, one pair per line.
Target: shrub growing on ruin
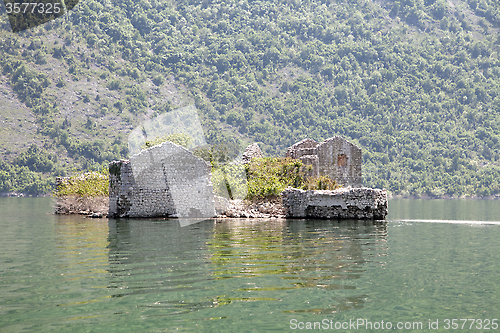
90,184
230,181
320,183
269,176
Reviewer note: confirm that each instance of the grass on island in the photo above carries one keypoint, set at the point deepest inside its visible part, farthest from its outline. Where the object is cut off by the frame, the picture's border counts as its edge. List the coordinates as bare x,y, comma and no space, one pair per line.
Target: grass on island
90,184
83,193
269,176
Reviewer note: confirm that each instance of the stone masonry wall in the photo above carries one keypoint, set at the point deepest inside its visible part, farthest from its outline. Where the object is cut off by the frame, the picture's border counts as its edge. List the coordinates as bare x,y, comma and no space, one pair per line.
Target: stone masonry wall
340,160
336,158
307,153
165,180
344,203
304,147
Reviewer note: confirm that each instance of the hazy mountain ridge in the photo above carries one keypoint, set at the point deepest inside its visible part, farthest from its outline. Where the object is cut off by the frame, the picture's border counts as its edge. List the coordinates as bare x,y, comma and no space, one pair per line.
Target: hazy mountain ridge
414,83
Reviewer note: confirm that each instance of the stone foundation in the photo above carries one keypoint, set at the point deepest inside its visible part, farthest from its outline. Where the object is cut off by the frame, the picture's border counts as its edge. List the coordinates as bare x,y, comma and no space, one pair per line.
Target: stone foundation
344,203
263,209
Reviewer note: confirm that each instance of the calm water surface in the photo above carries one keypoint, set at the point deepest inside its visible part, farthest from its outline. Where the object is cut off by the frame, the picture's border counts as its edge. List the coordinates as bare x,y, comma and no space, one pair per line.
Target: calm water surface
70,274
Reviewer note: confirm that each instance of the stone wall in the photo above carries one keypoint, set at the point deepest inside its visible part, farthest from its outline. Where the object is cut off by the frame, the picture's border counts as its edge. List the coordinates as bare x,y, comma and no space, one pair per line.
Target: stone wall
344,203
306,151
340,160
336,158
304,147
165,180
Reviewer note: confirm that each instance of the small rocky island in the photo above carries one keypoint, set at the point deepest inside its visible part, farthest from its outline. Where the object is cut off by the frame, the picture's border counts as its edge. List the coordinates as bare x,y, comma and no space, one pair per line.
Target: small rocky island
167,180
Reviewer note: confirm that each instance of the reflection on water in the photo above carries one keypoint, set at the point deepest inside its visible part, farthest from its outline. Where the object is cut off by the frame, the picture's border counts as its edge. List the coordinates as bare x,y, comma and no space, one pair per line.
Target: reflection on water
219,262
149,256
81,260
81,246
318,255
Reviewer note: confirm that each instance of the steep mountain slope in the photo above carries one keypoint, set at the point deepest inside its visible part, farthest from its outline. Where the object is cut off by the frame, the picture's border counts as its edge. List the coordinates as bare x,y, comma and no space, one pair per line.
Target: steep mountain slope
414,83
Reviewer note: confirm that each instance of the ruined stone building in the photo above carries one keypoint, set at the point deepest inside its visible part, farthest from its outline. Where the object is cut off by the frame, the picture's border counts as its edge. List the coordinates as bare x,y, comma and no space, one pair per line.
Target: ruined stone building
335,157
165,180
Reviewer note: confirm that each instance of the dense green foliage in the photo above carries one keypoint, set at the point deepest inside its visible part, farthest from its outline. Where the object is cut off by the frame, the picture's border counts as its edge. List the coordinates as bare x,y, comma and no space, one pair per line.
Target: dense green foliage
37,159
217,155
20,179
230,181
269,176
25,174
414,83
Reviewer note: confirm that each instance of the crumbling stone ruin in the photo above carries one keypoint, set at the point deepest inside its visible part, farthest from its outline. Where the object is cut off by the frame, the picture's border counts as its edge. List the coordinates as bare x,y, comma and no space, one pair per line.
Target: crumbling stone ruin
335,157
166,180
344,203
251,152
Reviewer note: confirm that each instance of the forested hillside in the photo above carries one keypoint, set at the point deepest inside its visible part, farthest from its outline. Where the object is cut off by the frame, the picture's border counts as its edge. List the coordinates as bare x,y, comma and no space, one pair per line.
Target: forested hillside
415,83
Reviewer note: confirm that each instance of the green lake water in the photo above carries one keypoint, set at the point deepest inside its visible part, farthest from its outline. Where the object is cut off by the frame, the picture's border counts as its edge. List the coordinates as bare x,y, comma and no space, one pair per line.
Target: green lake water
71,274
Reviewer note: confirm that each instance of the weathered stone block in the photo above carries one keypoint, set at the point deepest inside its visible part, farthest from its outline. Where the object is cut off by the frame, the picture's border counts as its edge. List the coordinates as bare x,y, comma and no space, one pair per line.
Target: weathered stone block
341,161
251,152
344,203
165,180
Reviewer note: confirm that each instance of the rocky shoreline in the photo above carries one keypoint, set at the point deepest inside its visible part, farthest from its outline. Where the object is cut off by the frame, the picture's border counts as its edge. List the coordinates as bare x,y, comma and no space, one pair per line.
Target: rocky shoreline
263,209
22,195
95,208
345,203
91,207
